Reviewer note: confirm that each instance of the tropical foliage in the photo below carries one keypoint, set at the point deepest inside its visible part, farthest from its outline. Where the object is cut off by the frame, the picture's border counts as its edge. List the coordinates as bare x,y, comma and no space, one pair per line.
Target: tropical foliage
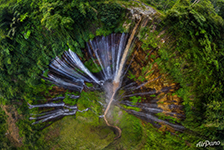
193,56
33,32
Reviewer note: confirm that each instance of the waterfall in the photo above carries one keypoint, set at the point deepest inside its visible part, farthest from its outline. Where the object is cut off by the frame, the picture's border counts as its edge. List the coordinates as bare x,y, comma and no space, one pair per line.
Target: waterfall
125,55
70,72
109,56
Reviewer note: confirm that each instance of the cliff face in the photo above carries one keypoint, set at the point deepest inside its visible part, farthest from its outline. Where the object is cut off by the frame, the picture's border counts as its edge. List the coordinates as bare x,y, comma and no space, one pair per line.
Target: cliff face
149,100
144,68
136,9
13,131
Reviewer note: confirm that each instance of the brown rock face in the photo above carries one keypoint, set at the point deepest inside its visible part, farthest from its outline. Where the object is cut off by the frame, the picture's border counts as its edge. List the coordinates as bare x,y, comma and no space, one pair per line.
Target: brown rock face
13,131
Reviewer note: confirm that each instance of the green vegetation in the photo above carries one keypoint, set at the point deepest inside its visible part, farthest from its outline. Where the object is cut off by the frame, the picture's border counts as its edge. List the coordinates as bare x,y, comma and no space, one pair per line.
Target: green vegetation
197,58
90,100
168,141
135,99
193,56
33,32
69,100
132,108
77,134
161,5
164,117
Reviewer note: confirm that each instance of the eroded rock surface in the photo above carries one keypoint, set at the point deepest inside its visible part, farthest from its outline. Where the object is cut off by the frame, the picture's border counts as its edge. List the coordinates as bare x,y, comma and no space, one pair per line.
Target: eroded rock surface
13,130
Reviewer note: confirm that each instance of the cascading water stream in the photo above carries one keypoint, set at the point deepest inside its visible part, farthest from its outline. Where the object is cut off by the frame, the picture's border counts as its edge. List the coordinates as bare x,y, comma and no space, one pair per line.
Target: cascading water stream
116,81
70,73
109,55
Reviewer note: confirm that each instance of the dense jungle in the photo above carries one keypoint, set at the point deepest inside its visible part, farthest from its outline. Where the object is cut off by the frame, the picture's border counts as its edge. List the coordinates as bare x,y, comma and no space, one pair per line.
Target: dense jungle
111,74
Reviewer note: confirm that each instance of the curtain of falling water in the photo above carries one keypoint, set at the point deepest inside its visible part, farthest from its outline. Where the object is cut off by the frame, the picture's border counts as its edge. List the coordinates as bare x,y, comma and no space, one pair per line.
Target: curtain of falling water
70,72
109,56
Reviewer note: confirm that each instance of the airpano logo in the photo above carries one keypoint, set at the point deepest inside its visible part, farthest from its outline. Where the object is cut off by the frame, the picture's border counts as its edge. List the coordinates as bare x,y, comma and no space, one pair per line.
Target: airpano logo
207,143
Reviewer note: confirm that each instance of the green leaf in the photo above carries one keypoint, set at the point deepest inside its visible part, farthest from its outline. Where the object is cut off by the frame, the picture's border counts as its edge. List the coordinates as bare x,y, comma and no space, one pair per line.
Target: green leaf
23,17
